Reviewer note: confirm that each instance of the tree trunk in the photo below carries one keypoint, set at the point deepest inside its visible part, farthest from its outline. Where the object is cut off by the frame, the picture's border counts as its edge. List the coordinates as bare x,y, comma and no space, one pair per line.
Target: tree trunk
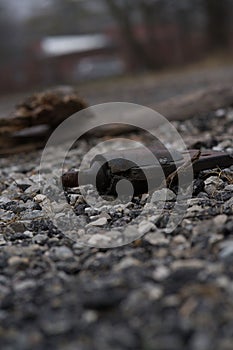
123,17
217,22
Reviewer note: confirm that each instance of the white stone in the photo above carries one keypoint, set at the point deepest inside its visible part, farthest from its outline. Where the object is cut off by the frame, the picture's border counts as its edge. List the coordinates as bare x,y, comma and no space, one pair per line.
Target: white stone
105,215
163,195
74,198
153,292
194,208
220,113
188,264
90,316
212,184
161,273
179,239
28,234
99,222
145,227
98,240
213,180
144,197
39,198
156,239
63,252
220,220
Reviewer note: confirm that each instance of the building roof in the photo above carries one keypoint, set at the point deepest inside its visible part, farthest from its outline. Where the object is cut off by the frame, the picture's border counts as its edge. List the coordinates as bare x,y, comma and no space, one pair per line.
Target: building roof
68,44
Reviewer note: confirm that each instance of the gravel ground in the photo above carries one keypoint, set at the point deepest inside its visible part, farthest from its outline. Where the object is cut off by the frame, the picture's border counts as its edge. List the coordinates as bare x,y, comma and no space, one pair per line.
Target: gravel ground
151,88
163,291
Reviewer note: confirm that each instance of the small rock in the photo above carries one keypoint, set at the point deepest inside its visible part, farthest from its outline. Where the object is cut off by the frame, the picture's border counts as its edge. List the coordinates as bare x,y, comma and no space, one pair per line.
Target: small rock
126,263
62,253
40,239
2,240
220,113
73,198
34,214
4,200
163,195
156,239
18,226
188,264
179,239
32,189
201,341
24,285
90,211
144,197
90,316
198,186
55,325
99,222
161,273
213,180
28,234
215,239
230,115
131,233
153,292
105,215
39,198
145,227
194,209
212,184
18,261
99,240
229,204
61,207
229,188
194,201
226,250
154,218
6,215
103,299
220,220
223,282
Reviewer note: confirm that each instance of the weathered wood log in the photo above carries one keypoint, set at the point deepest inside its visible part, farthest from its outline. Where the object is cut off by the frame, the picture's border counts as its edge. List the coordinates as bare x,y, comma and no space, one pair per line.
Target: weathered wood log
178,108
50,107
196,103
45,111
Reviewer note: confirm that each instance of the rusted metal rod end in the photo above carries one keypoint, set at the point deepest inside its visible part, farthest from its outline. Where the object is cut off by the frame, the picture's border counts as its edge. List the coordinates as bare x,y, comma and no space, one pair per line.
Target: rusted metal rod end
70,179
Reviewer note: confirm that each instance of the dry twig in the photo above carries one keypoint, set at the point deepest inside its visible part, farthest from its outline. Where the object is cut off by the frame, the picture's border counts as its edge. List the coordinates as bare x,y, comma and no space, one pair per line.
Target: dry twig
184,167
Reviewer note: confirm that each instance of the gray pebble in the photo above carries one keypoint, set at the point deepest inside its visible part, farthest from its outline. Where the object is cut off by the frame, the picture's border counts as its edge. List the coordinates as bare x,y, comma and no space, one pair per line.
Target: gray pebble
145,227
163,195
99,222
62,253
226,250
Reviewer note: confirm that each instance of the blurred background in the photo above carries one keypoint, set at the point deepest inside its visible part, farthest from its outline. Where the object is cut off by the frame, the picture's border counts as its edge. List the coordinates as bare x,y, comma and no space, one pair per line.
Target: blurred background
51,42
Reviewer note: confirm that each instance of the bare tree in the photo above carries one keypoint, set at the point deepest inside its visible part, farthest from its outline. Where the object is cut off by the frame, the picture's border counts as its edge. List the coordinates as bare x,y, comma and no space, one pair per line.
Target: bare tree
219,13
123,12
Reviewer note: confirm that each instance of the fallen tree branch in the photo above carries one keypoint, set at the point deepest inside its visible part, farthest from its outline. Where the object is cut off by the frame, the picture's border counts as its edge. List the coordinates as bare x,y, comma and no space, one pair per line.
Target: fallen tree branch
184,167
196,103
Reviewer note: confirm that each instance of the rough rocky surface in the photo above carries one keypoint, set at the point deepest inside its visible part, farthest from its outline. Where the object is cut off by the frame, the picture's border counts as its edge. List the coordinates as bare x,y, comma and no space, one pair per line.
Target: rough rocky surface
163,291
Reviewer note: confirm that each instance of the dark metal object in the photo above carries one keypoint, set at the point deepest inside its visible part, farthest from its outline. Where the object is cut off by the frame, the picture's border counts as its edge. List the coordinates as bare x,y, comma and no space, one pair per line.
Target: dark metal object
107,169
